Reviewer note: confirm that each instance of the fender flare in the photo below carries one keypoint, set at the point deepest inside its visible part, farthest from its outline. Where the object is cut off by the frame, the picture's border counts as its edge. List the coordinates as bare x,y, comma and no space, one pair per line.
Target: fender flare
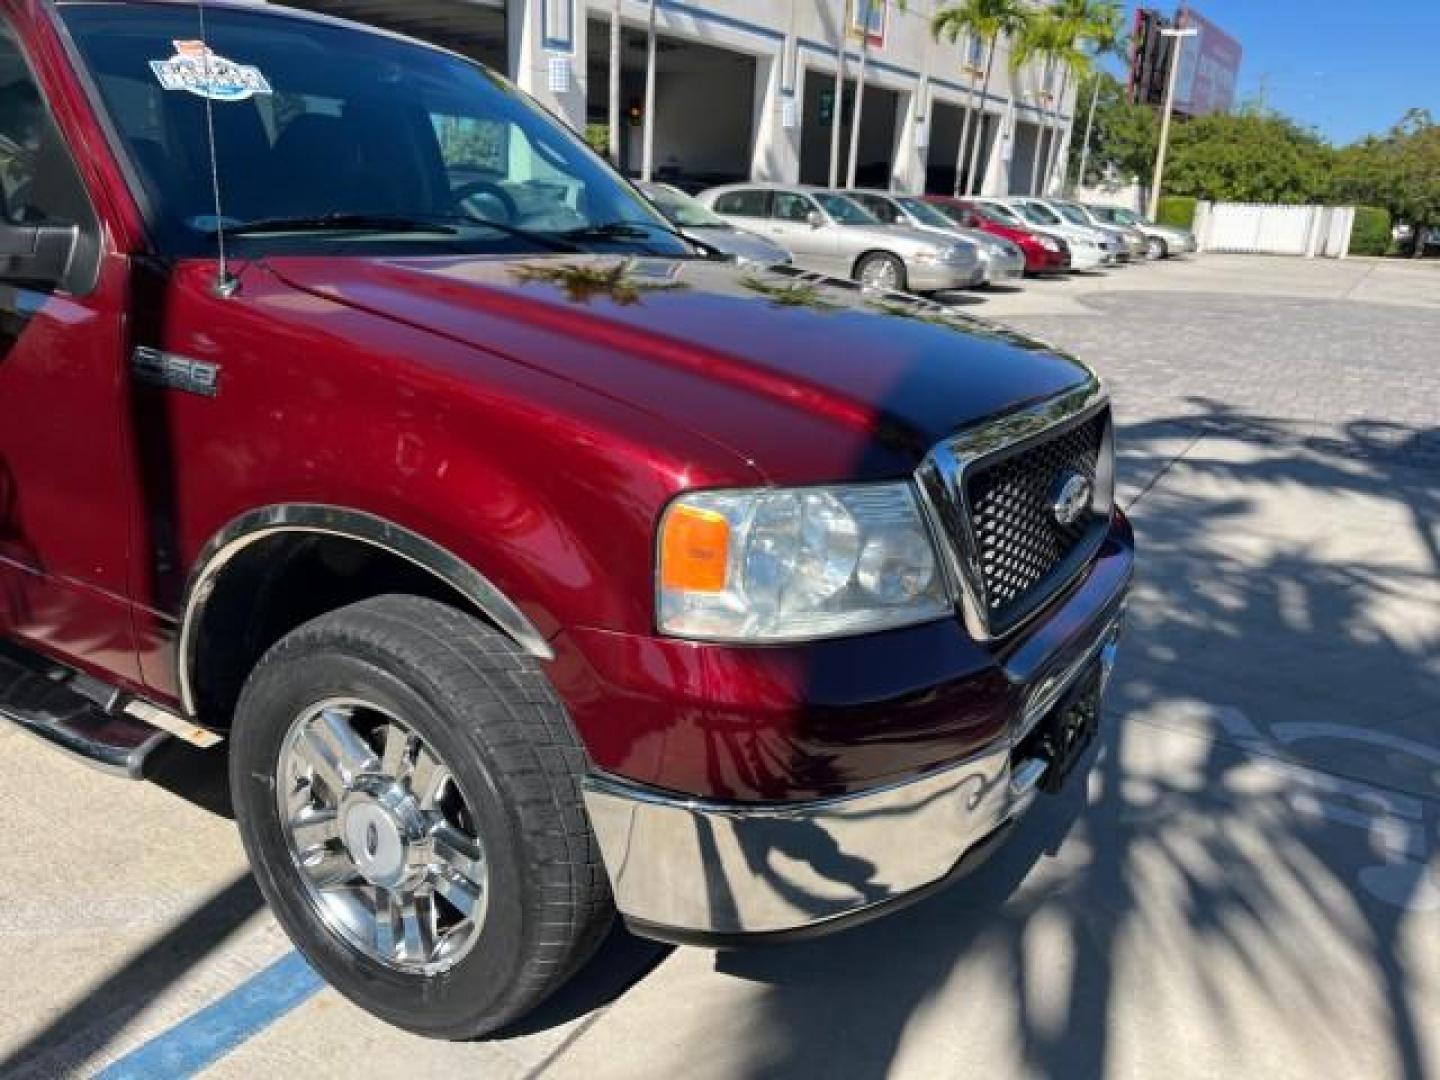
357,525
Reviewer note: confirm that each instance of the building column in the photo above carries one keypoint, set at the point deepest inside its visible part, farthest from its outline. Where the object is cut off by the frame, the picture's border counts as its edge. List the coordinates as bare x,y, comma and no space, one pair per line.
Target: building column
1001,154
912,125
549,61
775,156
1062,162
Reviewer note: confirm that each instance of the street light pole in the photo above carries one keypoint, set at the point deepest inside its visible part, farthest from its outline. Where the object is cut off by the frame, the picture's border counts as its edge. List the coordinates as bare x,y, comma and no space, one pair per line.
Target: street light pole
1179,36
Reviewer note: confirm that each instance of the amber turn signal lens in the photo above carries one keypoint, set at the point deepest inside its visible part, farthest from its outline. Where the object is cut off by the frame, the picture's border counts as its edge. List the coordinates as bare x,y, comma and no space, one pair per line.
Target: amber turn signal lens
694,550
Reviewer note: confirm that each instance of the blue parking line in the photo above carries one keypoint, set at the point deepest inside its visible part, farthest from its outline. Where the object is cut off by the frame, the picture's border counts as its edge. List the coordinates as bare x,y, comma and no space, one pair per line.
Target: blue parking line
208,1035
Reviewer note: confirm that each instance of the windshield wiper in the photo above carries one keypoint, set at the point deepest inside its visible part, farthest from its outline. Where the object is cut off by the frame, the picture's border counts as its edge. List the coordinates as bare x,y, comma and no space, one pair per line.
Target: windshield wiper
637,230
337,223
443,224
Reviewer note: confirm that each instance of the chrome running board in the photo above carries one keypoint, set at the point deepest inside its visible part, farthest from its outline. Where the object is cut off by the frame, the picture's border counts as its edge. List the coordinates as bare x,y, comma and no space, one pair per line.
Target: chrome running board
55,704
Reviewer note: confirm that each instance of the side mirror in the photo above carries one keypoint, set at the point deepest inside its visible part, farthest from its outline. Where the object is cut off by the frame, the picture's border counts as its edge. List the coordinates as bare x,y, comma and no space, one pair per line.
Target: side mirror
814,218
36,254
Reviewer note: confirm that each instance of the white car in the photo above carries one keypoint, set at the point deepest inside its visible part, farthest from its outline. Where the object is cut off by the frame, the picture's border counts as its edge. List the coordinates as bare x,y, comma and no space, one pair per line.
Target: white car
1076,214
1089,249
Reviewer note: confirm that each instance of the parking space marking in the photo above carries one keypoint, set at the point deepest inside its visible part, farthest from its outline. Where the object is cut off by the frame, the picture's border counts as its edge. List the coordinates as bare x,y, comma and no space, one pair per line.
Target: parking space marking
1394,821
208,1035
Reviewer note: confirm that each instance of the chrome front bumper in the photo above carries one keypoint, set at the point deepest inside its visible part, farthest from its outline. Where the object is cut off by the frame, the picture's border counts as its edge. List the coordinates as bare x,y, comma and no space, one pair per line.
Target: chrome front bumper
693,870
923,277
1000,269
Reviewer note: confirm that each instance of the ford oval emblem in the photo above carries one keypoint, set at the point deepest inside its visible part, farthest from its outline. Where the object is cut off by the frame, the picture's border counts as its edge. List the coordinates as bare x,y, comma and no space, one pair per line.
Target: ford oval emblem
1071,499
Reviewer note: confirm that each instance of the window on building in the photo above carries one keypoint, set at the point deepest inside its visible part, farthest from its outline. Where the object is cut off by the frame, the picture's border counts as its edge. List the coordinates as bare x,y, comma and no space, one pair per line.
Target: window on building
748,203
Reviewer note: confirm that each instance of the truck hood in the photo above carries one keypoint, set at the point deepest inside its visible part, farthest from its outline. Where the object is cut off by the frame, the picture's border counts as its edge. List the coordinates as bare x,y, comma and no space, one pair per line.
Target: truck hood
806,378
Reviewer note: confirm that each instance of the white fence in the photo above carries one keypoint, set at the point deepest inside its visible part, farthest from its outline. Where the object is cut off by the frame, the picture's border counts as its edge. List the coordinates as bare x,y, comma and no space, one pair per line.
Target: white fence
1255,229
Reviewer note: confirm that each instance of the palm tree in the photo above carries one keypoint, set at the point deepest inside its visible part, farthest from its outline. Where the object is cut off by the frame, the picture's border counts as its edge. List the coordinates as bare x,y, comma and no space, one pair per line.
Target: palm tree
1044,39
647,149
842,35
867,7
974,104
986,20
1106,33
1074,21
616,29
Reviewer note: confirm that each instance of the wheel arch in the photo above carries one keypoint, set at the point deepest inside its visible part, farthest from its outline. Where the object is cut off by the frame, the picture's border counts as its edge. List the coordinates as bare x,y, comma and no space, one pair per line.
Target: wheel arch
248,562
868,252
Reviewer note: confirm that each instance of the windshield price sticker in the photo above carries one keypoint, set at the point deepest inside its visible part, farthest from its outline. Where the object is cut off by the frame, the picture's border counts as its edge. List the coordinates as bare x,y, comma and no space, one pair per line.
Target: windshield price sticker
197,69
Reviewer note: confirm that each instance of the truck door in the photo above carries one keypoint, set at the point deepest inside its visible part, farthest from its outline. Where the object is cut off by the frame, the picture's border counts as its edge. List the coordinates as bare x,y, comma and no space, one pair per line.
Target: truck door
65,508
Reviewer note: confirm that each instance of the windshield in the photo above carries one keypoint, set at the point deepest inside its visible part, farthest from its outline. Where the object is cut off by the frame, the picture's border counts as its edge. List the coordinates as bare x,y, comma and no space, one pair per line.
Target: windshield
1004,213
355,138
1072,214
681,209
844,211
926,214
1040,215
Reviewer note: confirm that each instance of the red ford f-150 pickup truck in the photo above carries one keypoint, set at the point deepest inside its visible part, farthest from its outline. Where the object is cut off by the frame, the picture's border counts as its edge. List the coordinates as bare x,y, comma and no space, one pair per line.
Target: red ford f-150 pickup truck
530,563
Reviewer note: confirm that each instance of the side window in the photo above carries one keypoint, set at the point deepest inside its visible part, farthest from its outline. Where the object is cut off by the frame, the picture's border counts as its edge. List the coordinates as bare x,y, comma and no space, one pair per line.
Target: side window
881,208
792,207
755,203
39,184
39,179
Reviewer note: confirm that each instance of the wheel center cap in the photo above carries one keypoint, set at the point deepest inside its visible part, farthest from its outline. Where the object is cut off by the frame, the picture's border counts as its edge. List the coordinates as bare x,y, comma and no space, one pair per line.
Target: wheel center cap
380,825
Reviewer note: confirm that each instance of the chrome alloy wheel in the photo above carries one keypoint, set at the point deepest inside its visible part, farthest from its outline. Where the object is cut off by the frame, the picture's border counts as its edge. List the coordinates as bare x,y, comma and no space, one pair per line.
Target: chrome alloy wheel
382,836
880,274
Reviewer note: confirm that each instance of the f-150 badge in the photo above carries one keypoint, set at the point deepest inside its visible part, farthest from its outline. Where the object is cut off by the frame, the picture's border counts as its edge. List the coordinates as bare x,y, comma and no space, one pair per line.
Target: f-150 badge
175,372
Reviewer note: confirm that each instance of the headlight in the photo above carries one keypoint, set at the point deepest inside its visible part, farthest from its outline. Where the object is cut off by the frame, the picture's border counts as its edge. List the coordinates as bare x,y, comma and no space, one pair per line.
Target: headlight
1049,244
770,565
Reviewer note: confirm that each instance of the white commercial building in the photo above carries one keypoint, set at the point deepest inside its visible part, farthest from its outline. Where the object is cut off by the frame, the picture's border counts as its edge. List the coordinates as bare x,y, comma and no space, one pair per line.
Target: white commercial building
745,89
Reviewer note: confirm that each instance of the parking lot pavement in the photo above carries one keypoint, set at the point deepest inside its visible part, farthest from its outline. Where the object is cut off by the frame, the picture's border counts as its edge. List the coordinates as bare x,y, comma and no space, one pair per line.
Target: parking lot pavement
1247,883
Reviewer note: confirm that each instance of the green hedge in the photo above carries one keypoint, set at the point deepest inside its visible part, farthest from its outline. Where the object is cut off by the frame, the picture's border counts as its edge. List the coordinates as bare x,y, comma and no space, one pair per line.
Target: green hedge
1371,235
1177,211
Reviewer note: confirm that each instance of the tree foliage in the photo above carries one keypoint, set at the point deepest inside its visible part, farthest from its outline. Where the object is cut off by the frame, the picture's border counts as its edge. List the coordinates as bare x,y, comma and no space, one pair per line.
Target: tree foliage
1250,156
1125,135
1399,171
1257,155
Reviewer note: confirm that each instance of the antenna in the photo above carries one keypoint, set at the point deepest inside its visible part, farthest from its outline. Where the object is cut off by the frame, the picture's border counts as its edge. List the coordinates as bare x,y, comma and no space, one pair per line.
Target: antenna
225,284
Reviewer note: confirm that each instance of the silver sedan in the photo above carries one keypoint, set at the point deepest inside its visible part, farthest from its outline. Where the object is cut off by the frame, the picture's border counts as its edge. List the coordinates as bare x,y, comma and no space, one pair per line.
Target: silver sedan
1000,260
693,220
831,234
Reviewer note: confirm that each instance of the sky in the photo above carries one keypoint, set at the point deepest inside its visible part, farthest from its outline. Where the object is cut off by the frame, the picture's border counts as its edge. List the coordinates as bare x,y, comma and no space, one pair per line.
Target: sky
1349,69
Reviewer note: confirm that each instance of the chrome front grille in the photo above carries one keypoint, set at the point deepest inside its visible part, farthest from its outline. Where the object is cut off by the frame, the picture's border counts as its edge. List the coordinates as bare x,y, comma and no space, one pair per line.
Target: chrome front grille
1010,499
992,492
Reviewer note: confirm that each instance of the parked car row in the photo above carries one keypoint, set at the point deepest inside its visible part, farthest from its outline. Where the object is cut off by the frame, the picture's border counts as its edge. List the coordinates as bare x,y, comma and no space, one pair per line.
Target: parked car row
919,243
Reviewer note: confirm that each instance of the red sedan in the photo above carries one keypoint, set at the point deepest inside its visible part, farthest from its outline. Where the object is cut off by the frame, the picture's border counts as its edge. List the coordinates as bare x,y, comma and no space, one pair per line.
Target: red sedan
1044,253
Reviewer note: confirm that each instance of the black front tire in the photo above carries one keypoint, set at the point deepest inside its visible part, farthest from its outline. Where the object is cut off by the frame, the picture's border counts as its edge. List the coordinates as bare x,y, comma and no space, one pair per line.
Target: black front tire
491,715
